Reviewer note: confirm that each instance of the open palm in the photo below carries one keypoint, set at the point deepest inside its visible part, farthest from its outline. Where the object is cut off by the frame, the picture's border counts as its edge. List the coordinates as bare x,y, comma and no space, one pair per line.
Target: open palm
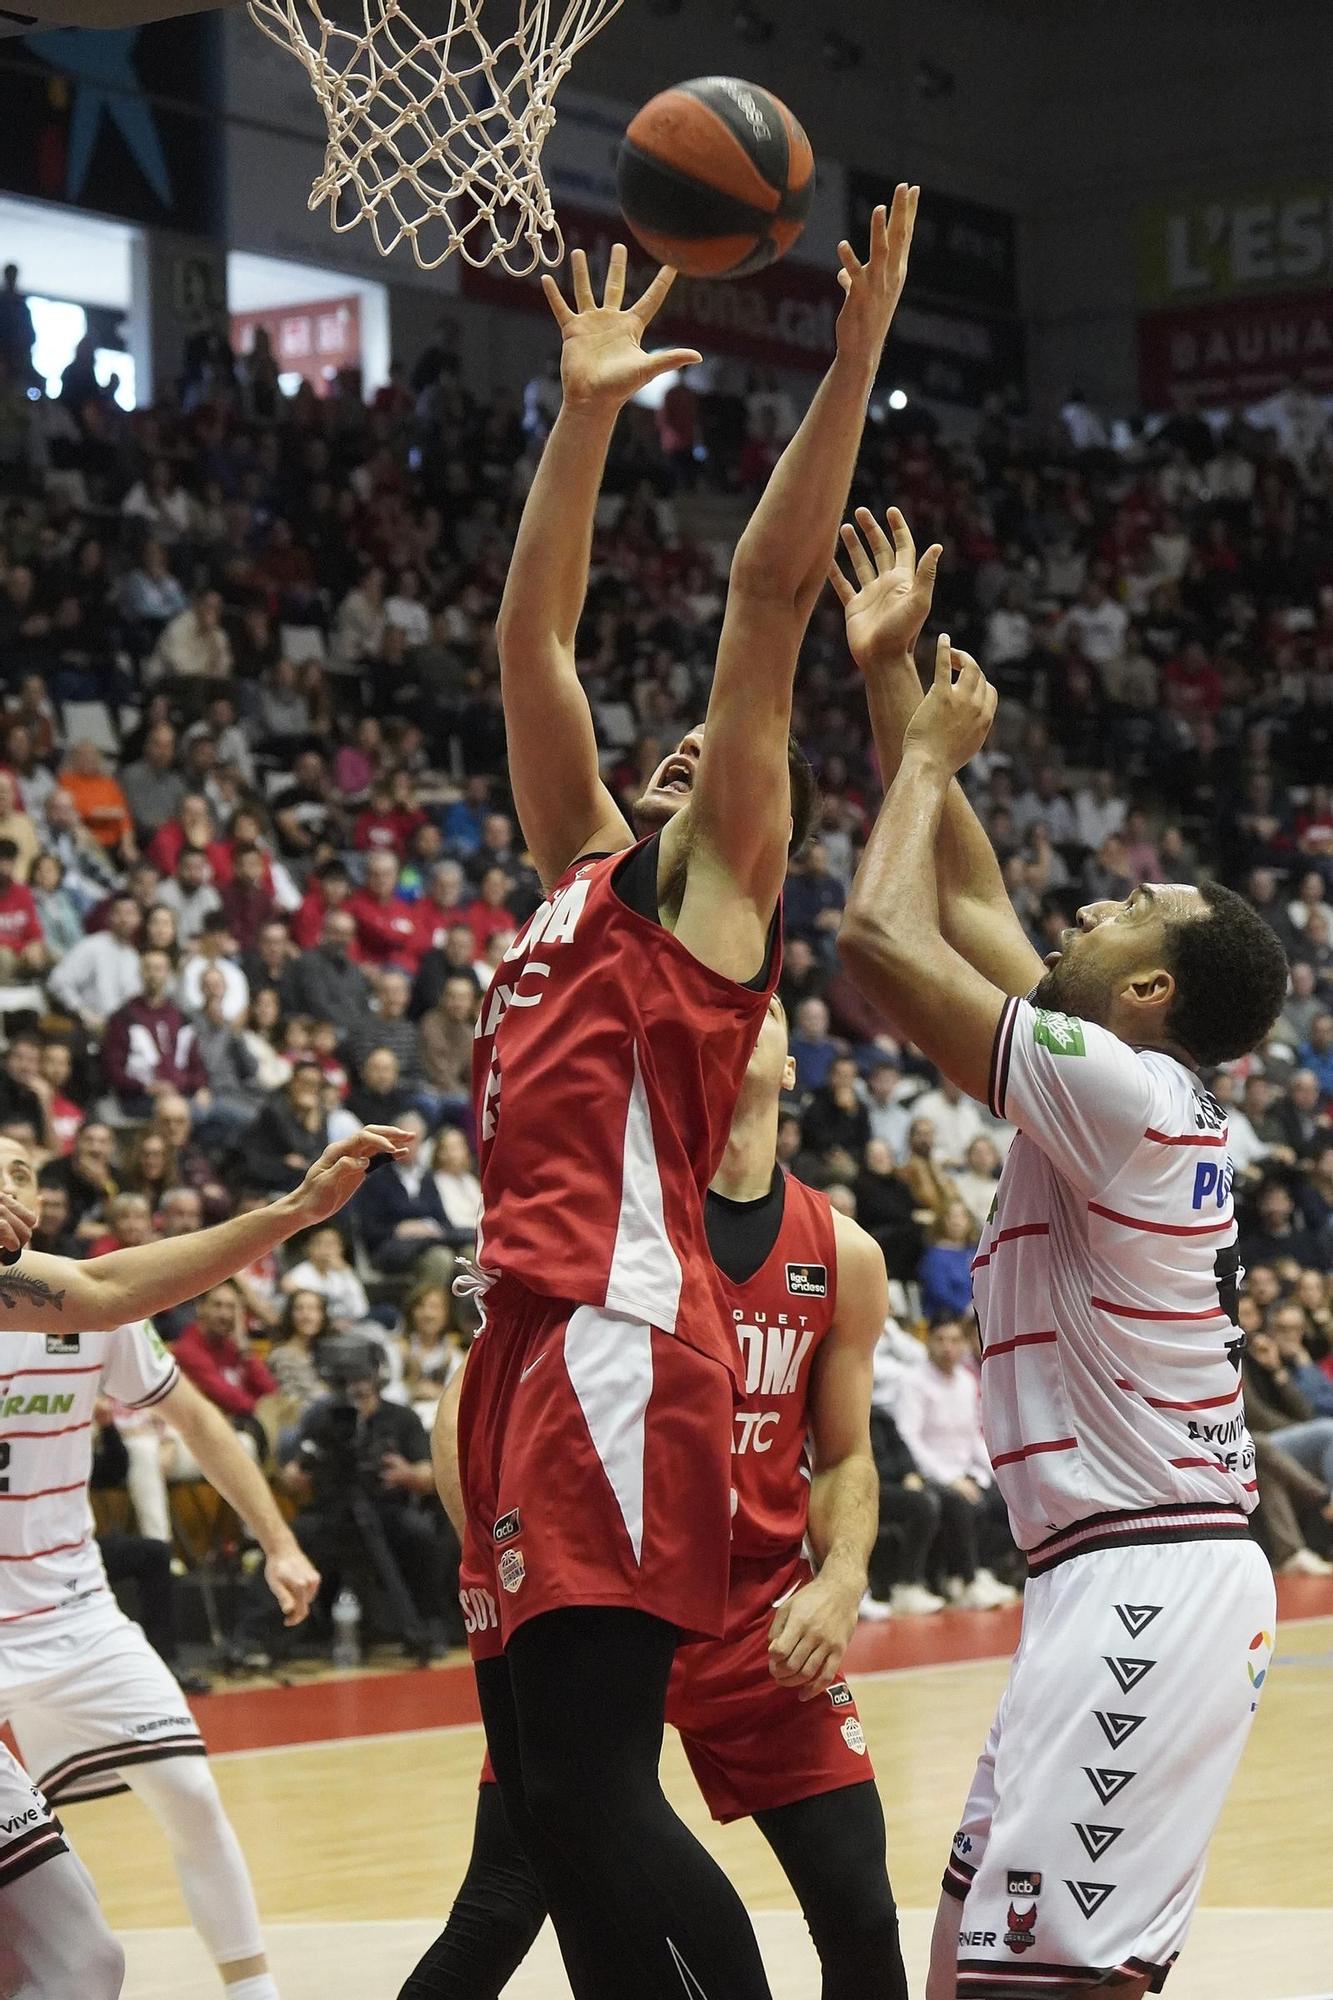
602,359
890,601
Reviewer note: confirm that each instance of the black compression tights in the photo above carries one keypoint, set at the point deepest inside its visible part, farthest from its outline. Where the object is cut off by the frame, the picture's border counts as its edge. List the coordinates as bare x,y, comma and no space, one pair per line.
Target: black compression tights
573,1718
831,1849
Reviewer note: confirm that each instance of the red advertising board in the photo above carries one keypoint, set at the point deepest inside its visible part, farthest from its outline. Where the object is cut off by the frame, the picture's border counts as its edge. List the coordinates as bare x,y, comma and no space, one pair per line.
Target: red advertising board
780,318
1237,351
315,340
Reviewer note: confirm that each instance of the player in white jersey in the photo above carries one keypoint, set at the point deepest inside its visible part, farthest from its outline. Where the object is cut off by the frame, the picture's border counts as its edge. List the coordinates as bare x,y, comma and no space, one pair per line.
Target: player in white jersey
1105,1289
92,1706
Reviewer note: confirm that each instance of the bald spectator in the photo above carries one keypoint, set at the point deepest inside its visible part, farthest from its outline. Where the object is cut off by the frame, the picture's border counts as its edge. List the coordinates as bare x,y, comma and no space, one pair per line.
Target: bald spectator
194,645
153,786
386,924
324,983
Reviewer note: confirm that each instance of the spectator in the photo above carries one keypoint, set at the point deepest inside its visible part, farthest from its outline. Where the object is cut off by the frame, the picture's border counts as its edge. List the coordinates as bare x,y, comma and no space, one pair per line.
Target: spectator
836,1119
1276,1238
446,1046
291,1360
324,1270
102,972
25,1095
152,785
939,1418
884,1207
233,1095
381,1096
458,1187
431,1357
214,948
25,949
60,926
194,645
977,1181
1290,1329
290,1132
149,1046
84,1176
813,1049
151,1168
325,983
190,895
931,1190
955,1119
401,1217
945,1276
215,1354
386,927
1294,1485
813,897
98,800
16,828
909,1520
1317,1054
247,902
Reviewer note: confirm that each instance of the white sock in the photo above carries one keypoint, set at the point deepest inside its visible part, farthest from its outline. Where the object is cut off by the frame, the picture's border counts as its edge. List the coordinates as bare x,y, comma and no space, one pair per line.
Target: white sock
260,1987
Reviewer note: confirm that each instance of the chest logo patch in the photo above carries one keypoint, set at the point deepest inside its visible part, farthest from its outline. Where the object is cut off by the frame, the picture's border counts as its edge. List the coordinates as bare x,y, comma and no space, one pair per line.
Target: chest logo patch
62,1343
807,1281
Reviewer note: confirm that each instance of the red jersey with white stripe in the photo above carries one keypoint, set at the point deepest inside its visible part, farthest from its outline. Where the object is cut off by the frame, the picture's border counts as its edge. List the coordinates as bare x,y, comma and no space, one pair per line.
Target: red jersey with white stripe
606,1067
780,1316
1105,1284
49,1384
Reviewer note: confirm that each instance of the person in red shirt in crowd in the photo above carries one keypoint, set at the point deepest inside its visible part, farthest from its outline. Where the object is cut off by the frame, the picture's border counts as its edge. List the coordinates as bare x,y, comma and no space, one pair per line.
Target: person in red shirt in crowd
56,1064
1191,683
386,929
214,1353
488,914
194,827
23,948
248,901
149,1047
442,906
392,818
329,887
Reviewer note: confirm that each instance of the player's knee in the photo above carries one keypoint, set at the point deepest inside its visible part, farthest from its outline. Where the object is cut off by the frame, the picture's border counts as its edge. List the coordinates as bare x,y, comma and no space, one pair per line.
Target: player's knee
182,1794
856,1920
102,1968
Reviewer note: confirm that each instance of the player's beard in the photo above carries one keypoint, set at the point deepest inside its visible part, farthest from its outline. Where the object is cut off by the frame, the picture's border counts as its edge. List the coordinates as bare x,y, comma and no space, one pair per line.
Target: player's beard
652,810
1069,988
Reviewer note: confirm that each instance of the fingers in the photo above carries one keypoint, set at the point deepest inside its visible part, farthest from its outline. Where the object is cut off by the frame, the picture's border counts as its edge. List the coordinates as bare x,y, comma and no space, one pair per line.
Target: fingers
928,567
613,296
844,590
847,257
879,233
583,298
646,308
555,299
881,547
861,563
943,662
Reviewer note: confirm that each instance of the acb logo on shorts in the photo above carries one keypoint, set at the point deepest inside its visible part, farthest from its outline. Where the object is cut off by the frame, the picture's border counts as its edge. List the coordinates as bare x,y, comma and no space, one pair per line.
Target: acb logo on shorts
511,1569
807,1281
506,1527
840,1695
1024,1882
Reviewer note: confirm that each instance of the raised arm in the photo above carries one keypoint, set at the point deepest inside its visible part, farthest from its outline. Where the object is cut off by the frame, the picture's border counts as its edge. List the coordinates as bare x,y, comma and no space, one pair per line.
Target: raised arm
44,1294
733,838
891,940
885,610
812,1630
563,806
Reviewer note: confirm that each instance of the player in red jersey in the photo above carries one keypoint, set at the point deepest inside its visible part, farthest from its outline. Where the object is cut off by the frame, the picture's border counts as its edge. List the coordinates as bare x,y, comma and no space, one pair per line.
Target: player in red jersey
596,1415
768,1724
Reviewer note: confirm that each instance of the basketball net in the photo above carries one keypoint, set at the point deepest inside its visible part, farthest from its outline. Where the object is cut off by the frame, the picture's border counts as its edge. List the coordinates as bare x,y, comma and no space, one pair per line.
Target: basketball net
437,138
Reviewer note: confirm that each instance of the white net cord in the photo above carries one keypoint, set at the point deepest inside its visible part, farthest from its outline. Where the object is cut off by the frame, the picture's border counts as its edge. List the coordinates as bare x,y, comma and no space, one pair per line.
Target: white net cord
437,138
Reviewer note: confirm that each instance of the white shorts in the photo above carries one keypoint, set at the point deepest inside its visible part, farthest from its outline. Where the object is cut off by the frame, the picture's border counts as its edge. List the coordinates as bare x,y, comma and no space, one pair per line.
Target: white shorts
97,1700
29,1830
1082,1845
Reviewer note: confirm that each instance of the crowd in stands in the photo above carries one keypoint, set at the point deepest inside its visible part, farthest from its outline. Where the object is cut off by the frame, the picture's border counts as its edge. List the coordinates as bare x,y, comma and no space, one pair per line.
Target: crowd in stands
258,861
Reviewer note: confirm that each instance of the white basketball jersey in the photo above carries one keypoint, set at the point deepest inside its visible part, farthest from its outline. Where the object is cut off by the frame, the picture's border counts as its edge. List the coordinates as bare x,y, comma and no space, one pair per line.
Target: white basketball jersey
1105,1285
49,1384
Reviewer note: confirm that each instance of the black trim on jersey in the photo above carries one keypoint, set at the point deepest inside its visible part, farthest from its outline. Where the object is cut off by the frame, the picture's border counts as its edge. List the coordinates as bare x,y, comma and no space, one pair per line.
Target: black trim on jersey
634,881
40,1843
163,1388
1002,1049
1117,1531
741,1234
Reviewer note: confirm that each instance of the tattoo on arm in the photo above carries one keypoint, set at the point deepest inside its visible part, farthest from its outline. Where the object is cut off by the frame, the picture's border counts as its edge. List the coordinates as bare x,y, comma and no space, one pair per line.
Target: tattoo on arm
18,1289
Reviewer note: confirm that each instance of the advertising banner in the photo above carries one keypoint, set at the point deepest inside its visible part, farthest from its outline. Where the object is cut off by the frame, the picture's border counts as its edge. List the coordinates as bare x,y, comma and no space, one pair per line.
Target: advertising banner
1236,351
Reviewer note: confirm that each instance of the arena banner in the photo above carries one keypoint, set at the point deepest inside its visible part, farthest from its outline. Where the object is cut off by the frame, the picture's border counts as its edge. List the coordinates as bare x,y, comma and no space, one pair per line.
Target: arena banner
315,340
1236,351
965,252
1225,246
121,121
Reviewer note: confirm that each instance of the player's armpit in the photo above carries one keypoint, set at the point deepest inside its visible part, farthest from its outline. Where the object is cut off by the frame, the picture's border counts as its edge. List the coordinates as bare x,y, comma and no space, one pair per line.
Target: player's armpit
930,993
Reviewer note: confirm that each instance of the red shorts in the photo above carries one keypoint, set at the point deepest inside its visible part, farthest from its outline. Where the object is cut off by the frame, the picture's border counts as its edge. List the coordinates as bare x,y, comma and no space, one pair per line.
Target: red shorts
753,1745
595,1456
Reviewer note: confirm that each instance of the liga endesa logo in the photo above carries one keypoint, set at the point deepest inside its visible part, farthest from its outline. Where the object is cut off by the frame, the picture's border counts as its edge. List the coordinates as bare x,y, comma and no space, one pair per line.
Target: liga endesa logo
807,1281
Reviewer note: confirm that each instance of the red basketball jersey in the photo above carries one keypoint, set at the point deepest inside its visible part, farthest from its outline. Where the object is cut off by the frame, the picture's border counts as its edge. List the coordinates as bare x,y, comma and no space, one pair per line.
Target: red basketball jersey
780,1316
606,1067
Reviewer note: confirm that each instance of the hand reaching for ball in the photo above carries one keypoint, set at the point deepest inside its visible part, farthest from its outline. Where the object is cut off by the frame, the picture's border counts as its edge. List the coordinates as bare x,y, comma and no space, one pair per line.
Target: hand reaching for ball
602,359
874,288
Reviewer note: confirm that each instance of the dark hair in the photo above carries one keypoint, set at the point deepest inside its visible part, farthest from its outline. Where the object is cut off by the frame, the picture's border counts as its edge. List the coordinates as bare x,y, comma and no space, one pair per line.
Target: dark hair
805,800
289,1311
1231,978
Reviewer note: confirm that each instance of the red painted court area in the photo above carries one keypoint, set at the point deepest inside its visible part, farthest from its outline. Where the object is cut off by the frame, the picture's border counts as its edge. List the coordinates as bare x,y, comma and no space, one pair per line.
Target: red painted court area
389,1704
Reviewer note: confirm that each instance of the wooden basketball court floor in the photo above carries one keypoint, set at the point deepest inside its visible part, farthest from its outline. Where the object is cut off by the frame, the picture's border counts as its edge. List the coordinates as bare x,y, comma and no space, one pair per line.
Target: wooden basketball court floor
353,1798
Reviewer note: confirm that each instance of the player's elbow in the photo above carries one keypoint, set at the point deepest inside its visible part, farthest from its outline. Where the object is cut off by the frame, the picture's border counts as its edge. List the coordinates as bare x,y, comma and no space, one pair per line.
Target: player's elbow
871,943
759,576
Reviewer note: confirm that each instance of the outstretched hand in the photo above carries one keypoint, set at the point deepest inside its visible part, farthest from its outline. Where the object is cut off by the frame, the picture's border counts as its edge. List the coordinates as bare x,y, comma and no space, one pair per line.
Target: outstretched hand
890,602
874,288
602,359
341,1169
955,718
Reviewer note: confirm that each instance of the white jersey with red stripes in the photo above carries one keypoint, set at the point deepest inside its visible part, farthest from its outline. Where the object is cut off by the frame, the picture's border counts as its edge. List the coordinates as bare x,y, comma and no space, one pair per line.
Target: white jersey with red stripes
1105,1285
49,1384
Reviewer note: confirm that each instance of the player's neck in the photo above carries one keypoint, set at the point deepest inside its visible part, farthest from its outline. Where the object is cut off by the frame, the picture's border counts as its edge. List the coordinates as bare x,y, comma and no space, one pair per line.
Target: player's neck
746,1171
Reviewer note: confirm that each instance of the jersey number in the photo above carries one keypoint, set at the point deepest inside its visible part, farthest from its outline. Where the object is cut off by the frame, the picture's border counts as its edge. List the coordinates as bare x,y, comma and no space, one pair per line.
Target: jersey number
1226,1270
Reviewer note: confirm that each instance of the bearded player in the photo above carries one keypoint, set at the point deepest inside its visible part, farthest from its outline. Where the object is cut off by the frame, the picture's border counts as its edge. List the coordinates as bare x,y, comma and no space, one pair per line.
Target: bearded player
596,1415
1105,1290
768,1724
92,1706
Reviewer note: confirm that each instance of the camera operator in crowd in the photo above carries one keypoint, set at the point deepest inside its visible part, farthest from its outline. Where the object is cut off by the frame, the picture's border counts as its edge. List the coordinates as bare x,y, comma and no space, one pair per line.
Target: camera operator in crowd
359,1468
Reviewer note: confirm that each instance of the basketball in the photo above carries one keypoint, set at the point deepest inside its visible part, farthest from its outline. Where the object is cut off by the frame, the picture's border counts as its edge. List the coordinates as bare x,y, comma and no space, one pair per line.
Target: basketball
716,177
